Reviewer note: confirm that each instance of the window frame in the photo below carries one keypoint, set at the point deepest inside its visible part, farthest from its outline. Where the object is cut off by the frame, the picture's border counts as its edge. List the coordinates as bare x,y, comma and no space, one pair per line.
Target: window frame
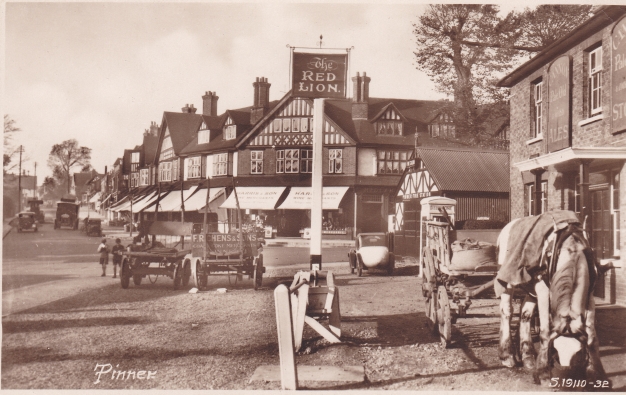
335,157
204,136
256,162
306,161
389,157
595,81
538,109
165,171
194,167
144,174
220,166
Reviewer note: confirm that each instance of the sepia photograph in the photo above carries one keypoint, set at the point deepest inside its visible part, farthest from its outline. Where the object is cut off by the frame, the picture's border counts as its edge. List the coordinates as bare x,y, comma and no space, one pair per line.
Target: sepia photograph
313,196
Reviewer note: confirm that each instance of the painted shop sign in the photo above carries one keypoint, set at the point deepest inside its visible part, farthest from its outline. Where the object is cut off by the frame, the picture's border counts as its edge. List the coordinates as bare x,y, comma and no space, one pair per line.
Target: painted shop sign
559,89
319,75
618,76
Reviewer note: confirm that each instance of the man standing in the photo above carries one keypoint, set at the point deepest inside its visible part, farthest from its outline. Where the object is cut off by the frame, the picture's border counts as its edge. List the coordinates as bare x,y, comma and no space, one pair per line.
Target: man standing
117,251
104,256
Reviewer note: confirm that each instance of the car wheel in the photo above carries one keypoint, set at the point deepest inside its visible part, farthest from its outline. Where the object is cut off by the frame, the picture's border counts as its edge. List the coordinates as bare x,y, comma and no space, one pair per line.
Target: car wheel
186,273
125,274
137,279
359,267
352,260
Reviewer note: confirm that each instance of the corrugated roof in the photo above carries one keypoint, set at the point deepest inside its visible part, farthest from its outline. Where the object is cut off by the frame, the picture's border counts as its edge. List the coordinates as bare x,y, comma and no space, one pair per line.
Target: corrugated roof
467,170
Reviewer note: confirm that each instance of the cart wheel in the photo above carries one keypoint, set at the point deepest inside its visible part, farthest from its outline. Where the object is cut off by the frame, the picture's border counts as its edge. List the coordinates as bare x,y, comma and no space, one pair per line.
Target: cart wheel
124,274
258,272
431,313
352,260
391,264
178,276
200,280
186,273
444,317
137,279
232,282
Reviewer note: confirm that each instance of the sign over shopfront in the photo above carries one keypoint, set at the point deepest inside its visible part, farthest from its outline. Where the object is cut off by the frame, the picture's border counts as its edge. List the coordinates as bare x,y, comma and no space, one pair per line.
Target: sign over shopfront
319,75
559,108
618,76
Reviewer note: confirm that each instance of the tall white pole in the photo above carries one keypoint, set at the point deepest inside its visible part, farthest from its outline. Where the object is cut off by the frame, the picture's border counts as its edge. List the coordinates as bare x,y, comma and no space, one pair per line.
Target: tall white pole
316,183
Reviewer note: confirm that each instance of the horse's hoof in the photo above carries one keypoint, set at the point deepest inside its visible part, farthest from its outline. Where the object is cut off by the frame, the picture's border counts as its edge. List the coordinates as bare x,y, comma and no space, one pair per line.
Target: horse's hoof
509,362
529,364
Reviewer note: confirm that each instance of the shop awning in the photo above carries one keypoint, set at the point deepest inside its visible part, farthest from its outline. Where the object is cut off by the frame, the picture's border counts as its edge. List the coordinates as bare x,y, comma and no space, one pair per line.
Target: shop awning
144,202
95,197
107,198
300,198
173,200
122,204
197,201
255,198
166,200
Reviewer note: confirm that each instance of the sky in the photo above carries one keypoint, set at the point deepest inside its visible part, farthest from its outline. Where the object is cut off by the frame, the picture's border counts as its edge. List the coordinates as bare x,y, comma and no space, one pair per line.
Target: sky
100,73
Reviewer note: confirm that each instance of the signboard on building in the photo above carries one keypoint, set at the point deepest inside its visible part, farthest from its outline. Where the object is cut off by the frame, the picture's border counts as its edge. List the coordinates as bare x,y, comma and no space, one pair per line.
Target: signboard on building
319,75
559,107
618,76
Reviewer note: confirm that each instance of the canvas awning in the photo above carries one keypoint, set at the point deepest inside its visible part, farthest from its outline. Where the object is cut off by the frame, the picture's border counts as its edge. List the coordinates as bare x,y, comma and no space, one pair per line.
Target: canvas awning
144,202
166,200
173,200
107,198
197,201
255,198
95,197
300,198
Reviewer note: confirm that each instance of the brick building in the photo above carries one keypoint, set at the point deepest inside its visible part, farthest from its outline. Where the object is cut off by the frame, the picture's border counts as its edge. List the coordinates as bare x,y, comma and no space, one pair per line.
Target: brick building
568,137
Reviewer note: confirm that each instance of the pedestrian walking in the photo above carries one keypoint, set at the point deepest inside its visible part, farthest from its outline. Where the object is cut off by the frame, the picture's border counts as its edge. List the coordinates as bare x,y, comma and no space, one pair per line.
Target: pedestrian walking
117,251
103,250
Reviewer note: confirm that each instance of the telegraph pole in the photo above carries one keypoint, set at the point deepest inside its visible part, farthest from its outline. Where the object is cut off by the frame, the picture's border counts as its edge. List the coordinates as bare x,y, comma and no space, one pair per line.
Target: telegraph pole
19,181
35,183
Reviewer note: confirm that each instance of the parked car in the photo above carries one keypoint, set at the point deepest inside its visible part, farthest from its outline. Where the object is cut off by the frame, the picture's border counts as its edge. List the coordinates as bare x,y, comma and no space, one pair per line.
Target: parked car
93,227
67,214
373,251
35,208
26,221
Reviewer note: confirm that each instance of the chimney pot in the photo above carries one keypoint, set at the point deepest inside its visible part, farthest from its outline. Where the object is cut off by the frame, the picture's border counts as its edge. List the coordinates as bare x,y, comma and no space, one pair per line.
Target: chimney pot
209,104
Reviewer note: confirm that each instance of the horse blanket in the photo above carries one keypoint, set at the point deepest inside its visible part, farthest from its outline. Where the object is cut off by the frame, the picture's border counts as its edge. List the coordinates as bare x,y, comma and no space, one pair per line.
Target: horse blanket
525,245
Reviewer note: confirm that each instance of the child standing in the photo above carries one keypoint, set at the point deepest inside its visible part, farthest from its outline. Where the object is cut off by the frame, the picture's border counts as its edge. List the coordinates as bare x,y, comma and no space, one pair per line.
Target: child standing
117,250
104,256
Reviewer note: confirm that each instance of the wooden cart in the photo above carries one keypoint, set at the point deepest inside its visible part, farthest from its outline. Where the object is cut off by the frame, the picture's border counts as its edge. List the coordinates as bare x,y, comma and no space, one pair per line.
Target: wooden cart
449,292
236,254
155,258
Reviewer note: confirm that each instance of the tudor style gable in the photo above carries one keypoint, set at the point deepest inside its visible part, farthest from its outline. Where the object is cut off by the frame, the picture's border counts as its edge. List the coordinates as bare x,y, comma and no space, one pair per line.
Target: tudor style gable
389,121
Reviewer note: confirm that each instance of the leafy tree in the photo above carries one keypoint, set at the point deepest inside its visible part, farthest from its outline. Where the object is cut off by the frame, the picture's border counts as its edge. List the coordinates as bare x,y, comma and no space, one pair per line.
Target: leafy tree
66,156
9,151
464,48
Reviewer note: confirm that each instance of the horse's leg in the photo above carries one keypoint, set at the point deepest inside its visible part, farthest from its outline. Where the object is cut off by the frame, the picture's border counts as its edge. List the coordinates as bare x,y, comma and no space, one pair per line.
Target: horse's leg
505,348
543,304
526,341
595,370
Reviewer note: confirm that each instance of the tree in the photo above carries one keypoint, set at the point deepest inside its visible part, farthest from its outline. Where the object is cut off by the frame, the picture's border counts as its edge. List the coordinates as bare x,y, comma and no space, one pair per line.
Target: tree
464,48
66,156
9,151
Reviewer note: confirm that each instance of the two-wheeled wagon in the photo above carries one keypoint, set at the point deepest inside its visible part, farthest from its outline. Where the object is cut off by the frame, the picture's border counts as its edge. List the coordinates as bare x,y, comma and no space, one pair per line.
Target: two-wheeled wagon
450,282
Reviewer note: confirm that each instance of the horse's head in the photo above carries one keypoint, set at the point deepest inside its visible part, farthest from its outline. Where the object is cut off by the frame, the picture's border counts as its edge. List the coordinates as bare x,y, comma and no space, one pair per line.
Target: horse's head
569,298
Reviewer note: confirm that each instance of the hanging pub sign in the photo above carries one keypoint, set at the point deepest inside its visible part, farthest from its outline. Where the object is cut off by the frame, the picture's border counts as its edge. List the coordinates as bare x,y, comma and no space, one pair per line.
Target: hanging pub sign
618,76
559,113
319,75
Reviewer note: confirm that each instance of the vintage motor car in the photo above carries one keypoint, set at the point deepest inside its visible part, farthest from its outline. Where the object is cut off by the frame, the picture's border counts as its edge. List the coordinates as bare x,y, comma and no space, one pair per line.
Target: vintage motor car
93,227
67,214
373,251
35,208
26,221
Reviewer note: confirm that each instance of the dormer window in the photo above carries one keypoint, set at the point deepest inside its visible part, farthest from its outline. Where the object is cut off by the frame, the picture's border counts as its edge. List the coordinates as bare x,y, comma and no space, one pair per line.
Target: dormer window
204,136
230,132
442,126
390,123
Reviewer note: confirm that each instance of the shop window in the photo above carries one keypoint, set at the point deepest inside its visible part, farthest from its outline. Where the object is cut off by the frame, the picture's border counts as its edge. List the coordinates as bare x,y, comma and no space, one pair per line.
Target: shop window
391,161
220,164
595,81
335,161
194,167
144,177
256,162
165,171
537,126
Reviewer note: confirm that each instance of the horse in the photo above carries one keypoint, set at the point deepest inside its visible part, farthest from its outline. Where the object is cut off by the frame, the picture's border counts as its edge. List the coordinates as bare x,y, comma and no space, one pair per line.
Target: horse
549,258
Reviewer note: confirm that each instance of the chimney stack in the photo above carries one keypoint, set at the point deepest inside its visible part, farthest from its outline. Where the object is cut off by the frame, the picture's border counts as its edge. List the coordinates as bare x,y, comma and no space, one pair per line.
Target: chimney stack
189,109
261,99
360,96
152,130
209,104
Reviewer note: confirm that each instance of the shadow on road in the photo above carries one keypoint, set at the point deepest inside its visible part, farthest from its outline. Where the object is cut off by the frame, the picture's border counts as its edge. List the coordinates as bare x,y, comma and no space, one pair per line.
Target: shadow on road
14,281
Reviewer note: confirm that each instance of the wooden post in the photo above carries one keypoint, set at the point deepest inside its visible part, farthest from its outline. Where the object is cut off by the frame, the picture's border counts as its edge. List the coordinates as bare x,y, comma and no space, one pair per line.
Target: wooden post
205,224
316,185
182,212
239,221
585,197
288,372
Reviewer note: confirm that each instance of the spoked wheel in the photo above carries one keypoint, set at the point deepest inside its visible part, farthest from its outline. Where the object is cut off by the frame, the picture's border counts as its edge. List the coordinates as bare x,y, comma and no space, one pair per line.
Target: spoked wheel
150,278
258,272
125,274
186,273
431,313
200,280
178,275
444,317
352,260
